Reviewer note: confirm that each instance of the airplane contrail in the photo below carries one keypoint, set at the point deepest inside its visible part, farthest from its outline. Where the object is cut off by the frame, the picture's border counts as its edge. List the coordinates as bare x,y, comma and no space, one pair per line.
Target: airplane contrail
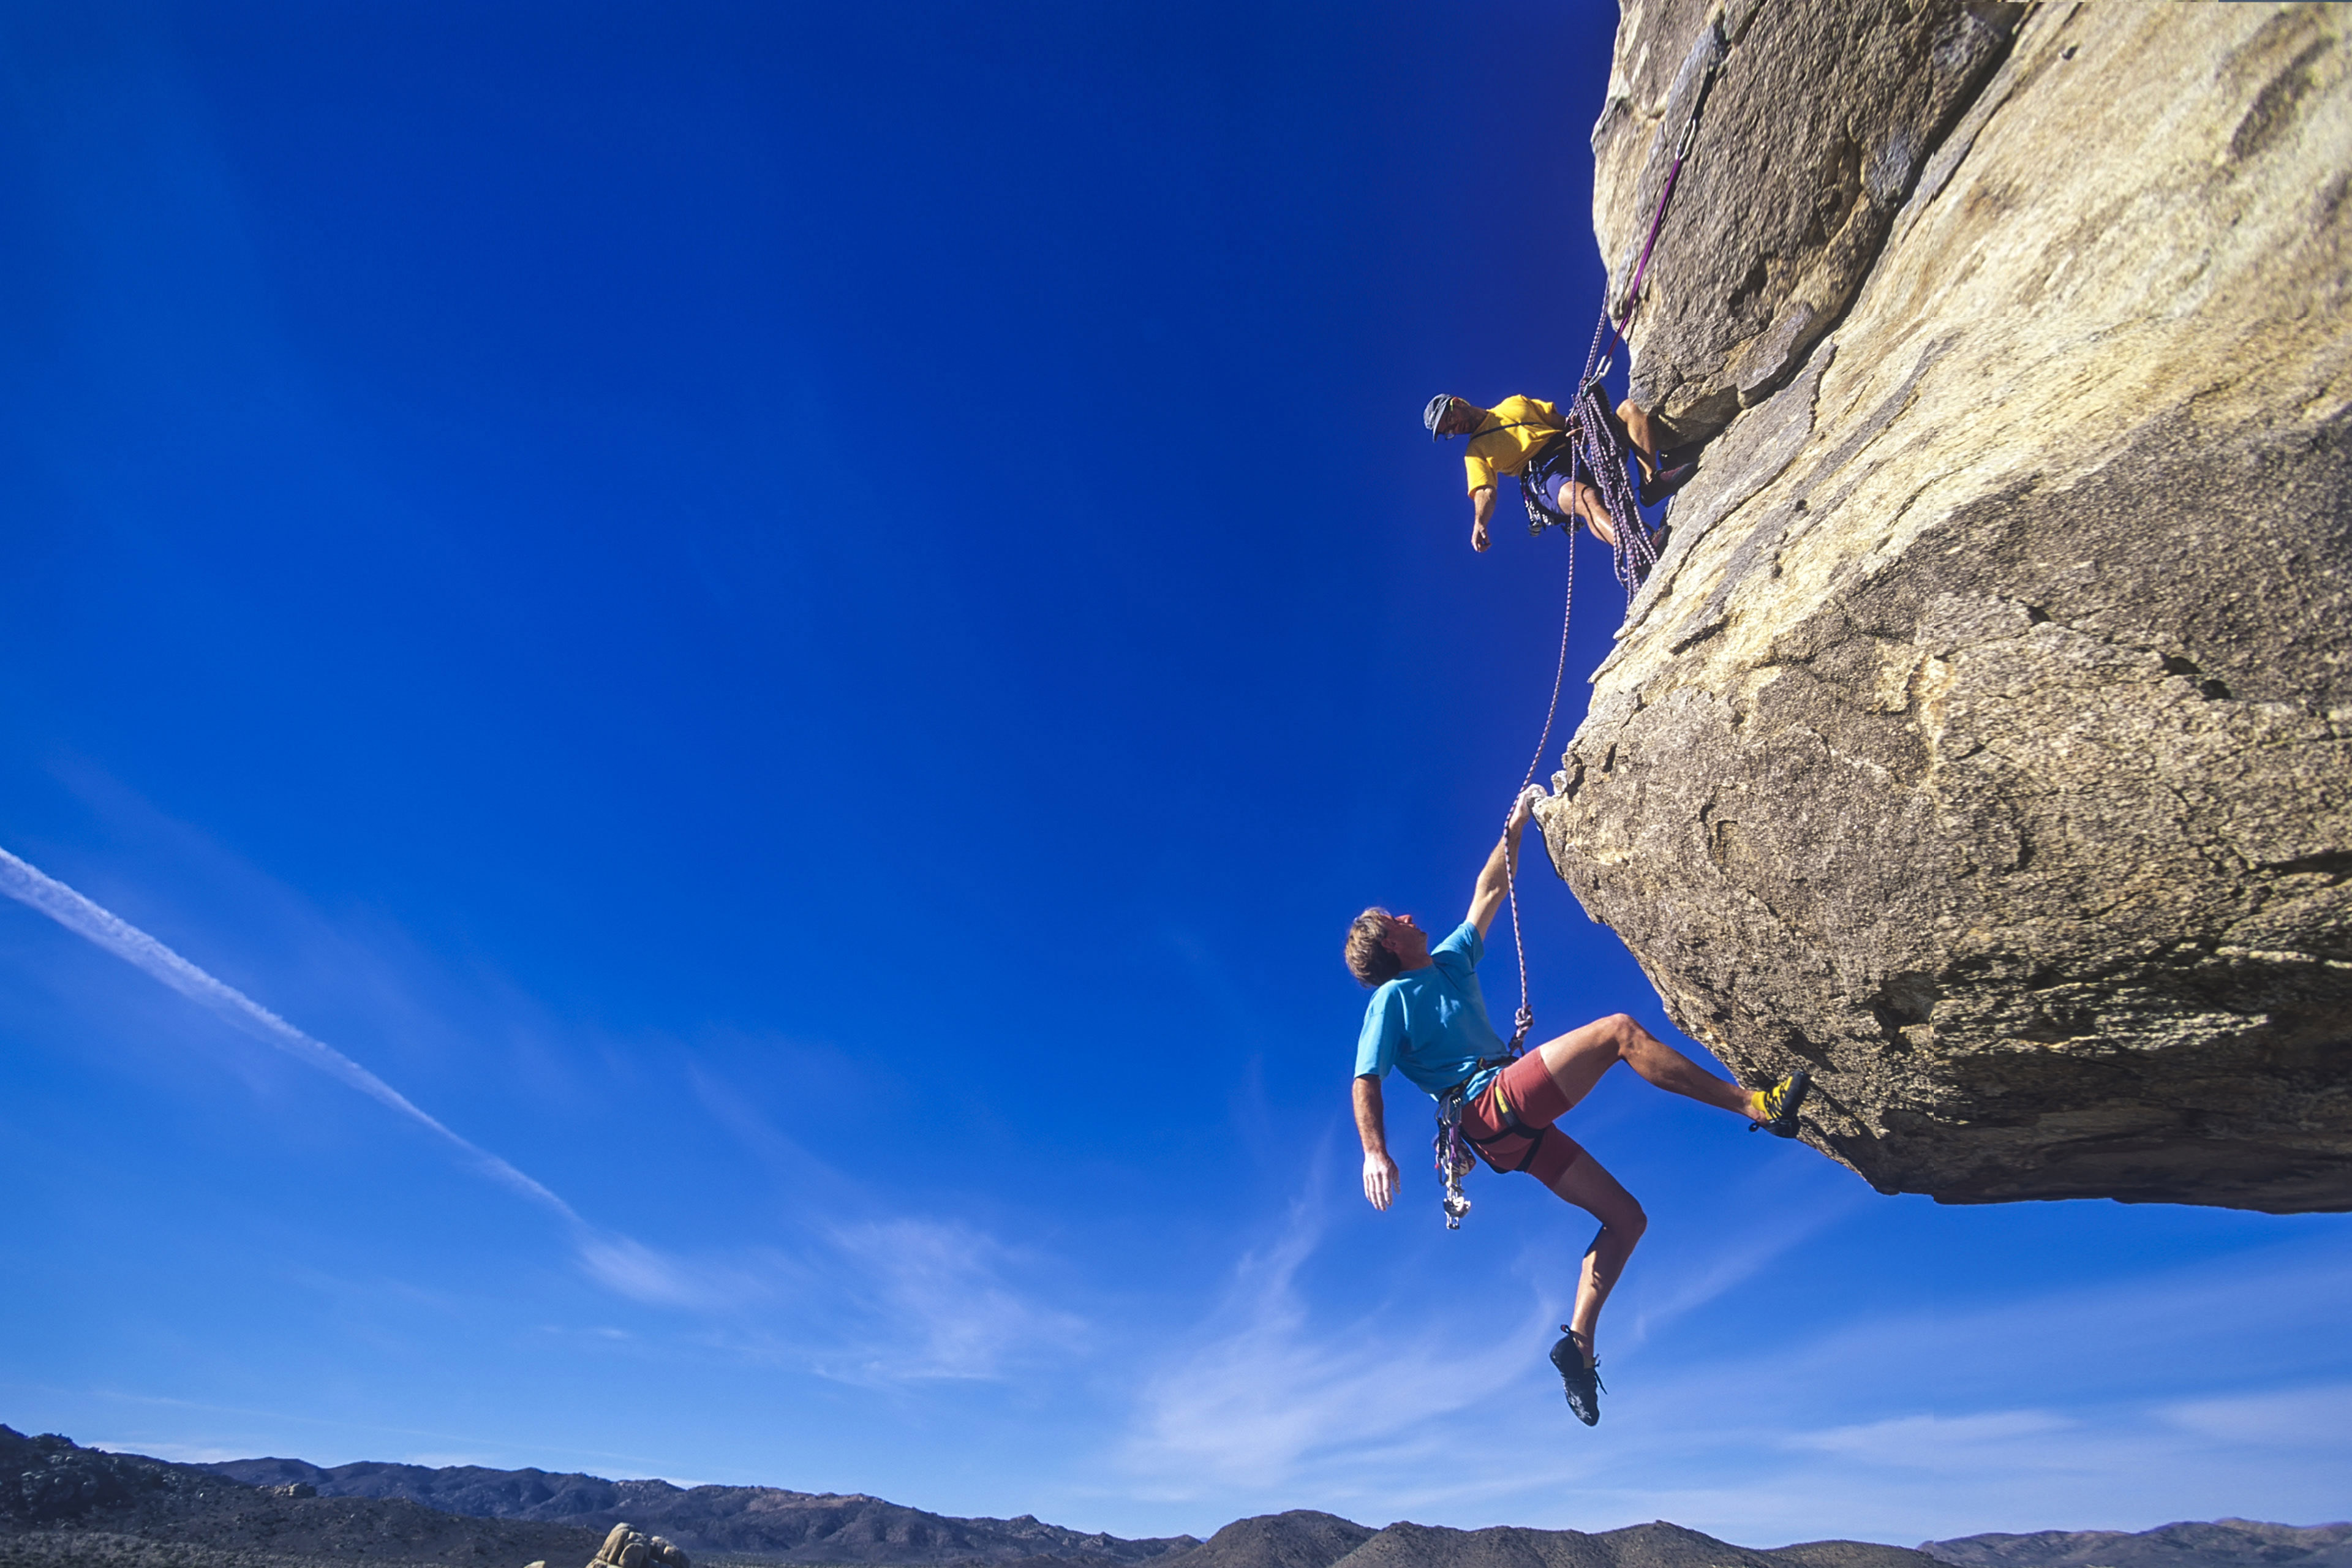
28,885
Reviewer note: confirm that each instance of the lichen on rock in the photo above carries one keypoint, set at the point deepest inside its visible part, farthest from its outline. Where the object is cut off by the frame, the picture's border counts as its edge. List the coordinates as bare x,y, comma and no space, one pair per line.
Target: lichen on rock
1984,741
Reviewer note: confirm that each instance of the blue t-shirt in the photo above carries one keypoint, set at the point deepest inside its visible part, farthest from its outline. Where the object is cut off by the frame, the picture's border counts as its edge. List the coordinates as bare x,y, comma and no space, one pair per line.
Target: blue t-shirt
1430,1024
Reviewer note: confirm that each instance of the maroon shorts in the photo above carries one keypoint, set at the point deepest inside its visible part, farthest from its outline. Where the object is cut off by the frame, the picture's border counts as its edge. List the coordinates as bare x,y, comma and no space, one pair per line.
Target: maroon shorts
1538,1148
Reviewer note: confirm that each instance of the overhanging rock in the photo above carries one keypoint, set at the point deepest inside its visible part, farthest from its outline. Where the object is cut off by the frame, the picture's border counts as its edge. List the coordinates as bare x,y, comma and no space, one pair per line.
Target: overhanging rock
1984,741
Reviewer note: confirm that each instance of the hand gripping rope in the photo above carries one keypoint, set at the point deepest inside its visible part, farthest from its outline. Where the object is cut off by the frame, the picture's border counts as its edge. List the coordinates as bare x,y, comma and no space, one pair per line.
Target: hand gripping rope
1452,1150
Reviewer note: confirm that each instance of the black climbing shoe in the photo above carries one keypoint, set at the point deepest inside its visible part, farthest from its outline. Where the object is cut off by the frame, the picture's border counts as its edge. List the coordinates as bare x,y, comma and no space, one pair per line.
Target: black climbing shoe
1668,481
1582,1381
1659,540
1781,1103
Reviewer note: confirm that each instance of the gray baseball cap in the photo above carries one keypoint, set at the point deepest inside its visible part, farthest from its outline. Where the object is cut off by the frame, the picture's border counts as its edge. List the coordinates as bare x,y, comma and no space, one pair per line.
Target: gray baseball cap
1435,411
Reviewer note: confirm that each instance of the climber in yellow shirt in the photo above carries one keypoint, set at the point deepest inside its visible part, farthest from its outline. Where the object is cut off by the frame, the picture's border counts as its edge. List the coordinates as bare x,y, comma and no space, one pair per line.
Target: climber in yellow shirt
1527,438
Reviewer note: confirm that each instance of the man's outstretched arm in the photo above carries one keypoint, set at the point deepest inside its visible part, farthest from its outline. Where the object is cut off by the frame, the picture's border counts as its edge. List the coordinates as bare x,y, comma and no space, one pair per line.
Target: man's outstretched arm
1481,507
1495,881
1372,1129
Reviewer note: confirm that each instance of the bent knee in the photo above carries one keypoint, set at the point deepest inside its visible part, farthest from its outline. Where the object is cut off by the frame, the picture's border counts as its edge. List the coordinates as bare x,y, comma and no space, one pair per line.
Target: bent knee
1622,1030
1625,1223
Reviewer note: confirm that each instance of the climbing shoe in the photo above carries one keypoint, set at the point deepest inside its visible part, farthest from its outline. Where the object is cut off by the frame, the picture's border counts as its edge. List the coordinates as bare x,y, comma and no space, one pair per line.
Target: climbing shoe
1582,1381
1668,482
1781,1103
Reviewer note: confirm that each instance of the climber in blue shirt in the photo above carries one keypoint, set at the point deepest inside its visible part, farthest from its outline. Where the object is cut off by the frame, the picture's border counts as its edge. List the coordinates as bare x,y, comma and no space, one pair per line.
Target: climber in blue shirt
1427,1019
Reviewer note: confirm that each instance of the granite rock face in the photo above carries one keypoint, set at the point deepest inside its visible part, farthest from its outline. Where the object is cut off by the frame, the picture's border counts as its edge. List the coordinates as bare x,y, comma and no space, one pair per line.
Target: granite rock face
1793,181
1983,741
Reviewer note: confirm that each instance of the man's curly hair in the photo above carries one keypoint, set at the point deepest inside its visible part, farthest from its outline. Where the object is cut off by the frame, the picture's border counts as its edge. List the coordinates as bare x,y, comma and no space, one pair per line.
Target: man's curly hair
1369,958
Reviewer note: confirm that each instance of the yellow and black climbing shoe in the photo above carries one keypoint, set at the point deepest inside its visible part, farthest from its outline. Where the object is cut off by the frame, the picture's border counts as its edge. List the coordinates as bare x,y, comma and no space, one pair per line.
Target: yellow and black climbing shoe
1781,1103
1582,1380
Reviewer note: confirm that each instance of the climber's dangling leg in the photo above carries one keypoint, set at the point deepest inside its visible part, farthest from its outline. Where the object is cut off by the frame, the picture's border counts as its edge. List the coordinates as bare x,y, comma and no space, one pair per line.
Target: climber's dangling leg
1511,1124
1589,1186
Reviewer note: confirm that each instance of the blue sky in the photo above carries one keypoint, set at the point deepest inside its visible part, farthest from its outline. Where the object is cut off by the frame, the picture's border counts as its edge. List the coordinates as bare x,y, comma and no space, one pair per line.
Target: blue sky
804,625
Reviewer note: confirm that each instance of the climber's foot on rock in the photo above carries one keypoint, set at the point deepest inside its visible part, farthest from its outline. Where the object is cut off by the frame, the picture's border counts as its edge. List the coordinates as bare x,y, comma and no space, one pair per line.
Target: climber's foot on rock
1668,482
1777,1107
1581,1379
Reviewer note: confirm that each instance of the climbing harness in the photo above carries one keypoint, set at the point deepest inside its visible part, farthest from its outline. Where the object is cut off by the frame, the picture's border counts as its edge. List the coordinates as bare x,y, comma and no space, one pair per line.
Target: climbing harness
1453,1147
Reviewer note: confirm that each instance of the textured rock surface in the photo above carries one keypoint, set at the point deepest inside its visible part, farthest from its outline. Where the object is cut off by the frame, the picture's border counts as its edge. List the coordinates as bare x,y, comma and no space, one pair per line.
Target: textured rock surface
1793,181
1984,741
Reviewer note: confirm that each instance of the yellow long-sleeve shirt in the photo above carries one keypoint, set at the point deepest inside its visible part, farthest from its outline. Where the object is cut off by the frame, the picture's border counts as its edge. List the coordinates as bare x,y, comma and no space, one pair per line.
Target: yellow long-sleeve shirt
1507,436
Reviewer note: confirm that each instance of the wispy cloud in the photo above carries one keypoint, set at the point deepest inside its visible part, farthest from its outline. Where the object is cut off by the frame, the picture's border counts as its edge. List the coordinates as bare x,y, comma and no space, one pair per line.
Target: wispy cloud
29,886
901,1298
1934,1442
620,1264
2108,1405
1265,1395
890,1298
938,1290
1801,1207
2307,1420
2046,1409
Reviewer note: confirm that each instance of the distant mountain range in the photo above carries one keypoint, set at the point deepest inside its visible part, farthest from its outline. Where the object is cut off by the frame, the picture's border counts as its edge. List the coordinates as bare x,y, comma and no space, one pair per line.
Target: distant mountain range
2224,1543
63,1504
799,1527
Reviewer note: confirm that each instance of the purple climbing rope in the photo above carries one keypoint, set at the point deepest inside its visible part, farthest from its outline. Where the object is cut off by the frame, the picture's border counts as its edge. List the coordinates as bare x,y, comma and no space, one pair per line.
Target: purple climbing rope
1592,428
1657,222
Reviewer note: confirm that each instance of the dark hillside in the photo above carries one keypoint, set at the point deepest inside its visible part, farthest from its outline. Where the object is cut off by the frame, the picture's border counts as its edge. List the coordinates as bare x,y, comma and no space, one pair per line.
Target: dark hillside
799,1527
2224,1543
63,1504
1299,1539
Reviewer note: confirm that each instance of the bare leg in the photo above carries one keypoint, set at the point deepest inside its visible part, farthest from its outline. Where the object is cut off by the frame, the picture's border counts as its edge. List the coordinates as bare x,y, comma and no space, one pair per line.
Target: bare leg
1584,501
1576,1059
1645,440
1594,1190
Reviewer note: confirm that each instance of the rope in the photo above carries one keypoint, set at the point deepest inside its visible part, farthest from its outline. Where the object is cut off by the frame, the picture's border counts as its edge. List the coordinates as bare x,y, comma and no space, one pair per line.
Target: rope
1453,1153
1593,432
1595,451
1526,1017
1657,221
